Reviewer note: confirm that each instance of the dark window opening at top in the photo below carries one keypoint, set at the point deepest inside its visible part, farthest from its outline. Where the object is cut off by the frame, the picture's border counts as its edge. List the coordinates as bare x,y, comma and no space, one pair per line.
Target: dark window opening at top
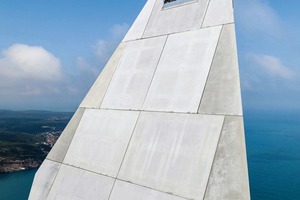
168,1
171,3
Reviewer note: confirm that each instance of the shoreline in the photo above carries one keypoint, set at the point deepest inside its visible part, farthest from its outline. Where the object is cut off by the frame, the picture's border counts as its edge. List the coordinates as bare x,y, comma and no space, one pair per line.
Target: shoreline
18,166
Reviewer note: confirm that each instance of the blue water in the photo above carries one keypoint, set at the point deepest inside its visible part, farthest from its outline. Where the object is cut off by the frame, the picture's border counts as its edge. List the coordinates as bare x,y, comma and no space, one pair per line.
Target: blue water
16,186
273,148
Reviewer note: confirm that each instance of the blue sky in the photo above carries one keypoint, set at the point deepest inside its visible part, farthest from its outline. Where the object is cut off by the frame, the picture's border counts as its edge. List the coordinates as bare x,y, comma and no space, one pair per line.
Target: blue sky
268,44
68,43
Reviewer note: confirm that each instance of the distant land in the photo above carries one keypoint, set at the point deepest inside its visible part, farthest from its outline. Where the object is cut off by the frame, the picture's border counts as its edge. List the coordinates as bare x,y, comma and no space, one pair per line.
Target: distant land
26,137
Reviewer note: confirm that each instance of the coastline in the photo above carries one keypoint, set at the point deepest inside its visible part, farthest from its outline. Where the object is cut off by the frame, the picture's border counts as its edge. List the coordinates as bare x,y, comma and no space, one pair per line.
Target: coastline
13,166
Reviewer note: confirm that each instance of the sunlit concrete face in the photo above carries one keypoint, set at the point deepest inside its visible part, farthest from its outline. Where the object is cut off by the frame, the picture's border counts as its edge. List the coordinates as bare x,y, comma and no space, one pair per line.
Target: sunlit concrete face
172,152
95,96
61,146
222,93
44,179
138,28
229,170
101,140
219,12
133,76
164,119
182,72
82,185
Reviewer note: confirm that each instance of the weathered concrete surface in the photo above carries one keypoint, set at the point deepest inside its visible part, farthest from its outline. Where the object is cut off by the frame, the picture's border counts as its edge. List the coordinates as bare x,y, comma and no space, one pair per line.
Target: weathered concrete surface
61,146
164,120
138,28
181,74
219,12
229,176
43,180
133,76
82,185
172,153
222,92
97,92
101,141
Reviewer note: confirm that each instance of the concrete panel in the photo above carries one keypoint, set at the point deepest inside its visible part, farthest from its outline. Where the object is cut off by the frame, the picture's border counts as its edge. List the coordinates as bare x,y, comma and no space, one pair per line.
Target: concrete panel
229,176
127,191
138,28
175,19
219,12
43,180
96,94
59,150
222,93
76,184
101,140
182,72
133,76
172,153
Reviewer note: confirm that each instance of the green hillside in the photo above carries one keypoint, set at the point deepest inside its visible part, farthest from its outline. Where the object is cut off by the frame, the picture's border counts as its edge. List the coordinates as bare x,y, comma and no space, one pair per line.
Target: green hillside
26,137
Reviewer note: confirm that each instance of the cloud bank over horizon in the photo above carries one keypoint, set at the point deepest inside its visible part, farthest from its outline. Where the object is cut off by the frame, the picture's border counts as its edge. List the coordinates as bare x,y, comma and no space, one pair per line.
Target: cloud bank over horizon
32,75
29,62
28,71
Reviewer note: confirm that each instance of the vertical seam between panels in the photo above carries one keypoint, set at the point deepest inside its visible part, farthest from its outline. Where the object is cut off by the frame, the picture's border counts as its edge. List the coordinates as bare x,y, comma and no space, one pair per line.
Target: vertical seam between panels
60,164
149,18
74,134
210,69
158,61
112,78
131,136
205,13
212,165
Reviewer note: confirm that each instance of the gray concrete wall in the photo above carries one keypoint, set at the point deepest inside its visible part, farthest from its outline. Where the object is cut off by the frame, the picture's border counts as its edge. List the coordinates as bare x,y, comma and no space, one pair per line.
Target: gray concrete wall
164,119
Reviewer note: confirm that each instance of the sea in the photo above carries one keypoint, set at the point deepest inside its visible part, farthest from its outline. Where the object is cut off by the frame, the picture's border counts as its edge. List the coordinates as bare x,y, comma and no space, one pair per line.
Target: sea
273,150
16,186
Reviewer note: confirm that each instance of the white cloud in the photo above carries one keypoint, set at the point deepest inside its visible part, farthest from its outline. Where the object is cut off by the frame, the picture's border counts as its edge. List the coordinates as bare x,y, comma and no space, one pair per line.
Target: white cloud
31,75
273,66
258,16
29,71
29,62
